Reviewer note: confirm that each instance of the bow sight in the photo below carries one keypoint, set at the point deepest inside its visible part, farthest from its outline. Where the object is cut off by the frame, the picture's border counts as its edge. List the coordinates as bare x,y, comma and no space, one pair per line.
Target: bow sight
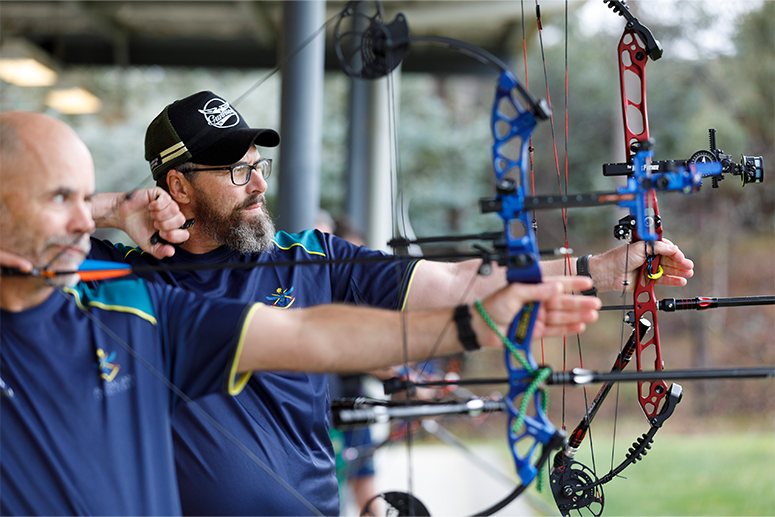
750,169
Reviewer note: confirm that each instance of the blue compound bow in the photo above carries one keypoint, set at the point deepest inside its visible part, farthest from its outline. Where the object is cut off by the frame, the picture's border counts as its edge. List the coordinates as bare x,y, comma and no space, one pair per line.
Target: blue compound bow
368,48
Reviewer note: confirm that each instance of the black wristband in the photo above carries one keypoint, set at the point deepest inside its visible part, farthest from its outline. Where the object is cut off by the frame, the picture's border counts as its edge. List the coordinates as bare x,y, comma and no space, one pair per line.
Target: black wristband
465,333
582,269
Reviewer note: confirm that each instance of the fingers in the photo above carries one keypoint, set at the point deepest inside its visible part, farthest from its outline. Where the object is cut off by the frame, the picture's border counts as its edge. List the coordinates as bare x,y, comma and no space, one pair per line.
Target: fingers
161,251
572,310
567,314
672,256
572,302
672,281
549,287
551,324
559,330
676,268
167,216
175,235
169,221
571,283
559,313
551,290
15,261
563,313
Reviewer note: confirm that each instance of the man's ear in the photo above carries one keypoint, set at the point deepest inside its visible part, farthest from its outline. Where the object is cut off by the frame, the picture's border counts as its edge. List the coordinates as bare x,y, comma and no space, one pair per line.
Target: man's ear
179,187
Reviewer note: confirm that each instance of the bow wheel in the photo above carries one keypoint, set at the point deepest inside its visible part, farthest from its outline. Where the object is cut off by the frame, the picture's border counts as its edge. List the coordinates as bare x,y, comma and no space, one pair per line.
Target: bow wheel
575,488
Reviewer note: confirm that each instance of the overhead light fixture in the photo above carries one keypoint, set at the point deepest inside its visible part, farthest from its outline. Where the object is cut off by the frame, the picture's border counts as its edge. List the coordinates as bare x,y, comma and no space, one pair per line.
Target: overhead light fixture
26,72
23,64
73,101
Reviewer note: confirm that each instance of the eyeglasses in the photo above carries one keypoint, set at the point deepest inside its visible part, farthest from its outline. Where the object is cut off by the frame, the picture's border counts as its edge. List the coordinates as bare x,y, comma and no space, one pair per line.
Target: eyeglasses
240,174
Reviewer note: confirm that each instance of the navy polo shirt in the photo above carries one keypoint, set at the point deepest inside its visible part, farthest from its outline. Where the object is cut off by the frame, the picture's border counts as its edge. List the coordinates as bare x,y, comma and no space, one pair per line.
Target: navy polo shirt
86,409
282,418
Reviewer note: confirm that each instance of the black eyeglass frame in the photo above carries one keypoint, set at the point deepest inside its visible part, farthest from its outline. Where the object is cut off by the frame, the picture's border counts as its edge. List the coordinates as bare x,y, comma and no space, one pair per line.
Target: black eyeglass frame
251,168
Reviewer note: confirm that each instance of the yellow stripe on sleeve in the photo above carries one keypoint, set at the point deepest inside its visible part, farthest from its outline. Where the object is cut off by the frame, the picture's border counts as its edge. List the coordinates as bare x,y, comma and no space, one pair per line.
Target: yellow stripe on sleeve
409,285
234,385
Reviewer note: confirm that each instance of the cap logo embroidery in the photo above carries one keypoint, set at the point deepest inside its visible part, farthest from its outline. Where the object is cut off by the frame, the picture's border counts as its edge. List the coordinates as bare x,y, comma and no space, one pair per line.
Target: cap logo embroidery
218,113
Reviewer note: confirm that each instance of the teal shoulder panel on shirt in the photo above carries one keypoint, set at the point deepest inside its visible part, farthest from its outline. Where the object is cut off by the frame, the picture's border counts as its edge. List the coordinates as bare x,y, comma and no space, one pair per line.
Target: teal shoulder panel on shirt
130,296
126,250
307,239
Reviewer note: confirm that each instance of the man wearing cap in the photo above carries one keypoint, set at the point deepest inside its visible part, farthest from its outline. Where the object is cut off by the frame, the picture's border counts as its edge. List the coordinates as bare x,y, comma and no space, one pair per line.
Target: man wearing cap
204,154
89,377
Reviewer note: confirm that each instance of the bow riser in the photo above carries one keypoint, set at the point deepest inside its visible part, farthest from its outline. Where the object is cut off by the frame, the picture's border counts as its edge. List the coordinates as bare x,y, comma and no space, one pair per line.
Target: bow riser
572,482
633,57
512,134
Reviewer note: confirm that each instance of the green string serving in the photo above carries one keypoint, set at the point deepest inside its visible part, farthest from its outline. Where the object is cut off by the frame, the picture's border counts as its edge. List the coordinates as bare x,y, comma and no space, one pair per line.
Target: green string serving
539,376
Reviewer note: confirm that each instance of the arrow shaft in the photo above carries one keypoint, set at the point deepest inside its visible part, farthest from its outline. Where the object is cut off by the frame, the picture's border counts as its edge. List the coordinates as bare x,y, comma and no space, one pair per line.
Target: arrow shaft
700,303
579,376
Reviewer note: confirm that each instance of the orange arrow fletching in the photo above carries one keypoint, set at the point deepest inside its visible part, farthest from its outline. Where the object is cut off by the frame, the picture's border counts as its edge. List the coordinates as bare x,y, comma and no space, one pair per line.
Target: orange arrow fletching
87,276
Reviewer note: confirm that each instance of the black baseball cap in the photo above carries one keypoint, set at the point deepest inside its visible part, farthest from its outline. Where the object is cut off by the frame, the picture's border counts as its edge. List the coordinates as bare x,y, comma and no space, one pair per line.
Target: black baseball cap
201,128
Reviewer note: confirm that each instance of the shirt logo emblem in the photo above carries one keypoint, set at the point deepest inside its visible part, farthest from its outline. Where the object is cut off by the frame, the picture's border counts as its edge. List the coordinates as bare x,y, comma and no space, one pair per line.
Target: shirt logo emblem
218,113
282,298
108,370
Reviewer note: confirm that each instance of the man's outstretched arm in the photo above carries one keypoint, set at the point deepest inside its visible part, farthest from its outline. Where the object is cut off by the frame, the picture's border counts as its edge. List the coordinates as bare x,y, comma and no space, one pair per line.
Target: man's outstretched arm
338,338
438,284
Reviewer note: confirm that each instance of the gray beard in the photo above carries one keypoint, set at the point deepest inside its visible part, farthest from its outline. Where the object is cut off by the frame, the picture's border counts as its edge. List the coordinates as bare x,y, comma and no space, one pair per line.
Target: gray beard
234,230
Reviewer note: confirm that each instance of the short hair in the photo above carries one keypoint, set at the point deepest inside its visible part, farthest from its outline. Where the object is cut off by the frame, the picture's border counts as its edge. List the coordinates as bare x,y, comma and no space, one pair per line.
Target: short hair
187,169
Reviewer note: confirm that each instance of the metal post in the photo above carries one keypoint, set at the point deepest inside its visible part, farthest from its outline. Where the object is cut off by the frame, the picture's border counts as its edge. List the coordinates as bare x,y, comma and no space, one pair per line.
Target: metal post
301,116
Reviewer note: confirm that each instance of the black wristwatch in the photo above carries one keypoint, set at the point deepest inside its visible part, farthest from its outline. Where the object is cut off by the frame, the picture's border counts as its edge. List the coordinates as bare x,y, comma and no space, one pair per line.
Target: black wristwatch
465,333
582,269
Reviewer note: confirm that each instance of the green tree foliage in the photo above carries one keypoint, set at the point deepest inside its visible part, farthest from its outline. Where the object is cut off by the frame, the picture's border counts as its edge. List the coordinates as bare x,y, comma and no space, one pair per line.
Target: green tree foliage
441,145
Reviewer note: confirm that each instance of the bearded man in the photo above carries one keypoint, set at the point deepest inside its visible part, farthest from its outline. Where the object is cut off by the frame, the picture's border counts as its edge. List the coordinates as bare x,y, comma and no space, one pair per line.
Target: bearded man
203,153
90,376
